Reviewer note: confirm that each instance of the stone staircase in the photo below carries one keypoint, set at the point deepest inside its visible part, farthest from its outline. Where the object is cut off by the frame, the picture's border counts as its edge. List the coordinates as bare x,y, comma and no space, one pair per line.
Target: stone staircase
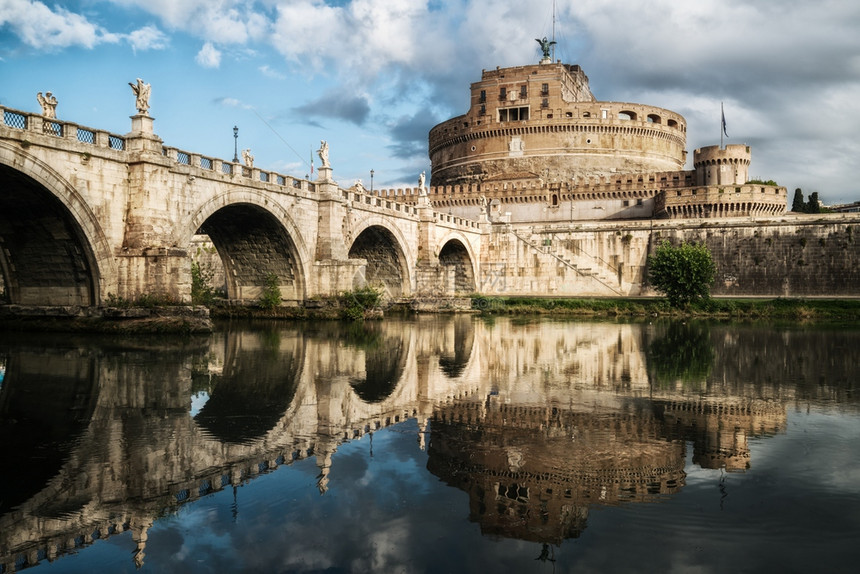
582,263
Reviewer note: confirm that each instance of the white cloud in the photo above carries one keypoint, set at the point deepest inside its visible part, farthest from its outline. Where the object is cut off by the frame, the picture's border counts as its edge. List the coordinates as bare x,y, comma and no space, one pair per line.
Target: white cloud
148,38
270,73
39,26
208,56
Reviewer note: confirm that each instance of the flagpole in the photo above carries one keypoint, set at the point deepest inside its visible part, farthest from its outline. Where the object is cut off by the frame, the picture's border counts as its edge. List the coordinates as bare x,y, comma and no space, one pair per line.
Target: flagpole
722,123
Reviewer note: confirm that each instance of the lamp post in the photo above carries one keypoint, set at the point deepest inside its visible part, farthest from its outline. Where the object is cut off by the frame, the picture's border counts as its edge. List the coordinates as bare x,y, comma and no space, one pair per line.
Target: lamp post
235,144
371,182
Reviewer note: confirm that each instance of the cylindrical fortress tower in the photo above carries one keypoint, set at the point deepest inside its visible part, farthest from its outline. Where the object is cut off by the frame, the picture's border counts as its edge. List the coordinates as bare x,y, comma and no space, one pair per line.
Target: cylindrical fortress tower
543,121
722,166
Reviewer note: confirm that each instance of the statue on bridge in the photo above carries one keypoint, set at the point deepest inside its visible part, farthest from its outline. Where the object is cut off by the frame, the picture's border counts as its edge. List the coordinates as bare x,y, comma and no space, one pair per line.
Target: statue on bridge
422,189
141,92
247,157
323,153
48,103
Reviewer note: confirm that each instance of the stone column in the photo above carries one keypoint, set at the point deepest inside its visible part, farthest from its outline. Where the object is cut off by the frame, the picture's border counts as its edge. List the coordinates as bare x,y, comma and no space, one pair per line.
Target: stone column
149,263
428,272
333,268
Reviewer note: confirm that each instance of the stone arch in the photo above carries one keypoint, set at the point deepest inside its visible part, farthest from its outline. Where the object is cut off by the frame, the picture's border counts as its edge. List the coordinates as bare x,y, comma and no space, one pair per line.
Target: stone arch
389,261
456,252
62,255
255,389
244,224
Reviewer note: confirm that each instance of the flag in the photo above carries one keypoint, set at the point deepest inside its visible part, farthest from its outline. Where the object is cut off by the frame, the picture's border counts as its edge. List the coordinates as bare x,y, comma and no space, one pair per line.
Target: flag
723,113
312,162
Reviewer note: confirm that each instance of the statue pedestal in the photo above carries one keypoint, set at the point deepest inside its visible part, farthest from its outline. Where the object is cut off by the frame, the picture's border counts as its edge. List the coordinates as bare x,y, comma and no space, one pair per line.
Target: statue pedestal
142,124
324,174
142,138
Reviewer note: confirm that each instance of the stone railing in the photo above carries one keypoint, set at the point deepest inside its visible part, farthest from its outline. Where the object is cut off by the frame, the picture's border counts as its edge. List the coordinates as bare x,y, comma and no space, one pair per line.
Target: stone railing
236,169
36,123
367,198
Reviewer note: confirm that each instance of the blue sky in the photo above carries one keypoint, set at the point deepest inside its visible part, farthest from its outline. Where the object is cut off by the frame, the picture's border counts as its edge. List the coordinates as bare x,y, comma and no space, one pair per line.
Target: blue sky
372,76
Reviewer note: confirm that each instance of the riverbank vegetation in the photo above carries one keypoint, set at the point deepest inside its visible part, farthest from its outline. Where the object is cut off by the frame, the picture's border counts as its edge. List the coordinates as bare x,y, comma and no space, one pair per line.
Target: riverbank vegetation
760,308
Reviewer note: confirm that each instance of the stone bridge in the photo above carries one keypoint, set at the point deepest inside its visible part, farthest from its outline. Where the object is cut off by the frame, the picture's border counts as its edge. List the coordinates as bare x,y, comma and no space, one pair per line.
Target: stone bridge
86,215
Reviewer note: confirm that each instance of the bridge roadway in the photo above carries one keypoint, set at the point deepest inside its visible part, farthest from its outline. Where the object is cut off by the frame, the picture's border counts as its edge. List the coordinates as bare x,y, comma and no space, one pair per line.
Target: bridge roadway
86,215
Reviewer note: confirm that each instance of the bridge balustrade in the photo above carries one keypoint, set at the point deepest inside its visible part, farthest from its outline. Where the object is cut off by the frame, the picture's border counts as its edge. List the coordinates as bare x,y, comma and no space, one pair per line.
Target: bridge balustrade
52,127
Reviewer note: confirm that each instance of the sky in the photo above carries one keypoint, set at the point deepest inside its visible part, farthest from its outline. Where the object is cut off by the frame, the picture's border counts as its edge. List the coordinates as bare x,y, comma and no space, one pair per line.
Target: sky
371,77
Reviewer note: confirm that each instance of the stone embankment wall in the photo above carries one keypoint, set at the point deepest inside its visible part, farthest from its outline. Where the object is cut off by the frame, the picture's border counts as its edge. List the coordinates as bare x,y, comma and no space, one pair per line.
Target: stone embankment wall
786,256
805,256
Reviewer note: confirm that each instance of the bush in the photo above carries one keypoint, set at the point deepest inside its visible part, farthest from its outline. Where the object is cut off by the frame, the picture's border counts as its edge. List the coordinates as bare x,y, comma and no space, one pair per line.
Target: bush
271,295
355,303
202,292
684,273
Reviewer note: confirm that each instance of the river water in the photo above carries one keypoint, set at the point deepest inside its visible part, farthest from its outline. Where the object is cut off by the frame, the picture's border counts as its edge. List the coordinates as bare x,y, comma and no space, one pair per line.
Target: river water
434,444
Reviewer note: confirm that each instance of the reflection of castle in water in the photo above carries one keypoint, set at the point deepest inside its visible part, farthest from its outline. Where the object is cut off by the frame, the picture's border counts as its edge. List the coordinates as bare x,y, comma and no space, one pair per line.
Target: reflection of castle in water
533,471
538,422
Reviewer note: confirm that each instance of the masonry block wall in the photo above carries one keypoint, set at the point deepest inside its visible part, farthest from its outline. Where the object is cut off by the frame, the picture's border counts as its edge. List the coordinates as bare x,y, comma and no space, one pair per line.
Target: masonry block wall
799,258
776,257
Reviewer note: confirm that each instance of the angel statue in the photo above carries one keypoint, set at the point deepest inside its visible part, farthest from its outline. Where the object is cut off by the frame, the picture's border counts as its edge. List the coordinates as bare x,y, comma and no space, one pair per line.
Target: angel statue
545,46
141,92
323,153
48,103
421,180
247,157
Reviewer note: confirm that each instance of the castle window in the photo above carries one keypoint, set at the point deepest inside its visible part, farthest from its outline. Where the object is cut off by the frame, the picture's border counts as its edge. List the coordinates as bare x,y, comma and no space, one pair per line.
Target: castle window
604,114
672,124
513,114
555,200
625,203
568,114
654,119
483,96
639,202
523,92
549,116
627,115
503,93
586,114
544,103
483,109
544,89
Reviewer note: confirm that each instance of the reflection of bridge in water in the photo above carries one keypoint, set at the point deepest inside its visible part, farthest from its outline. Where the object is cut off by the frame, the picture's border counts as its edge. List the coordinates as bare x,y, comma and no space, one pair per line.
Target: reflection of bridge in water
536,422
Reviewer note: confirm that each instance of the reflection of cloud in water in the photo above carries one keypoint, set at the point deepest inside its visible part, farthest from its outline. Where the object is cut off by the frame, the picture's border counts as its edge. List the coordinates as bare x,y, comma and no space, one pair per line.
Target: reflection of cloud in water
198,400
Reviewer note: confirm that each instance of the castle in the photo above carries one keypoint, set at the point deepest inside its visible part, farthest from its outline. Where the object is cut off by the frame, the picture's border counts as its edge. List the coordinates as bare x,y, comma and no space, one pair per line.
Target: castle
537,145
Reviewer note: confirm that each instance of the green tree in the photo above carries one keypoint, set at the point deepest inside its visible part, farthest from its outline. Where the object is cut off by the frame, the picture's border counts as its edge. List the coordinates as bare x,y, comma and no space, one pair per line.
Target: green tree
684,273
813,205
798,205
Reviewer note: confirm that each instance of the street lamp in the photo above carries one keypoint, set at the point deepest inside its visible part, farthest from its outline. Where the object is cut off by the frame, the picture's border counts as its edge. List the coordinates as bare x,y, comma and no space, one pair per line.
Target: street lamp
235,144
371,181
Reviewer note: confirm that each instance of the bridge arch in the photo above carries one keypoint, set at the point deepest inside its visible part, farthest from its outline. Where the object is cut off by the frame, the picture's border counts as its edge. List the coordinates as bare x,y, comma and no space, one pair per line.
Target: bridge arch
54,250
389,261
458,258
243,224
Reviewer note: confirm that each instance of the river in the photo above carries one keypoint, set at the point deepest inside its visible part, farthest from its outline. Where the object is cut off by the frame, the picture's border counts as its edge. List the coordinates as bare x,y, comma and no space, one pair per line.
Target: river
434,444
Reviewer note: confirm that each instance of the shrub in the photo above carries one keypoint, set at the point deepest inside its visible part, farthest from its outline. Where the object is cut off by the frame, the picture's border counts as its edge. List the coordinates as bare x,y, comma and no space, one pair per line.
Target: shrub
684,273
356,303
202,292
271,295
